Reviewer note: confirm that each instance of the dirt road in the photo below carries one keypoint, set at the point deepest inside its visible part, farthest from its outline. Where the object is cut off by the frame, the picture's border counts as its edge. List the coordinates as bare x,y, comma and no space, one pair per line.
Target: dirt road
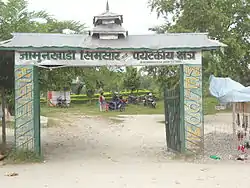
98,153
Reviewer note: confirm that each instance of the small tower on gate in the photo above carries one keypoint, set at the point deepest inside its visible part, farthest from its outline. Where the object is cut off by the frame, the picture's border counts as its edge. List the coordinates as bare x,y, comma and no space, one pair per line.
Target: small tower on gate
108,25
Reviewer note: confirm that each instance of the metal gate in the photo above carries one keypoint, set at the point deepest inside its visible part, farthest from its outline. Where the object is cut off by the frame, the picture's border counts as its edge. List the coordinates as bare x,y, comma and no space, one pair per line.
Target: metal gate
172,119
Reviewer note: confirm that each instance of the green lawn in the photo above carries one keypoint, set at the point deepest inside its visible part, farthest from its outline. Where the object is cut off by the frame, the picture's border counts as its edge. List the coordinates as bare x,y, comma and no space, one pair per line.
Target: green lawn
209,106
93,109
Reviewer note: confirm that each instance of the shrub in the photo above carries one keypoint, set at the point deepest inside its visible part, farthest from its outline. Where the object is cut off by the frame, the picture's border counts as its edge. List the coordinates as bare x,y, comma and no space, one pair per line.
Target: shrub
84,98
108,94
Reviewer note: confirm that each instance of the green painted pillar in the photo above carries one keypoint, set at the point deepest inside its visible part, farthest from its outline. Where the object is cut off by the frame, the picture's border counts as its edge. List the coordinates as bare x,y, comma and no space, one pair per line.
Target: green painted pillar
182,112
192,106
27,109
36,112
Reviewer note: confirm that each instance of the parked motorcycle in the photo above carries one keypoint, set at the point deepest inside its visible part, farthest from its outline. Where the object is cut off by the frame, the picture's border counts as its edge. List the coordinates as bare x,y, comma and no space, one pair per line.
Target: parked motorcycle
118,103
149,101
133,99
61,102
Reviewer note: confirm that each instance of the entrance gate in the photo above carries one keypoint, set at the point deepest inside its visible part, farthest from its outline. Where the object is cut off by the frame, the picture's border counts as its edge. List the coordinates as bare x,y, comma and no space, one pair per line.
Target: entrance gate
109,44
183,105
172,119
184,112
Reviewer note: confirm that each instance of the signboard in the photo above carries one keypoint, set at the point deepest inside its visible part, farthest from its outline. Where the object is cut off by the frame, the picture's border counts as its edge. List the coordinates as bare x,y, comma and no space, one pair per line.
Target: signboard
108,58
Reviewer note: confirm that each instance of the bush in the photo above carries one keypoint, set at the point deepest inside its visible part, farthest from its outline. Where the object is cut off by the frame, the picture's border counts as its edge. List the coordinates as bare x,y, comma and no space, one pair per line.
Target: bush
108,94
77,99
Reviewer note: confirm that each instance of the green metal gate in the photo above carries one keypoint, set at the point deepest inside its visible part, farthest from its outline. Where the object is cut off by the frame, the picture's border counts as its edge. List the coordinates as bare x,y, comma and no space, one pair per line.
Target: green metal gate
172,119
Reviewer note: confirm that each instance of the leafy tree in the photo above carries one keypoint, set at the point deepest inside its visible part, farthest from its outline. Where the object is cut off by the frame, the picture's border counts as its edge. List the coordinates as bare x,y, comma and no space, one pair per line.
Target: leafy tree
164,76
56,79
225,20
55,26
89,79
131,79
113,79
15,17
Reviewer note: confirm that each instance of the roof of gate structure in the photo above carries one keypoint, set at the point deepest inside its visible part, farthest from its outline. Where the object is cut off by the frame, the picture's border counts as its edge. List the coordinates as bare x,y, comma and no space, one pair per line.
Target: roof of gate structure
109,25
162,41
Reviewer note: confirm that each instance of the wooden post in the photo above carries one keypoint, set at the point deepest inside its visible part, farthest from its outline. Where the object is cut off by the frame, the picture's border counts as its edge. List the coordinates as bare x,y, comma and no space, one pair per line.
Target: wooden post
234,126
3,119
182,111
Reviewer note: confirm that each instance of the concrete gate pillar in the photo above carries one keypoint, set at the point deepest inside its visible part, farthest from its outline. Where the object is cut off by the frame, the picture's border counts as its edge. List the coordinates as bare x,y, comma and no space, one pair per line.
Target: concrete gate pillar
27,109
192,106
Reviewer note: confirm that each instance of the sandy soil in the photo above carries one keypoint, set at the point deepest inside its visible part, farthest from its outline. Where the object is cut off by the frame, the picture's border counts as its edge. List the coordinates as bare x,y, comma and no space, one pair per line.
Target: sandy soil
92,152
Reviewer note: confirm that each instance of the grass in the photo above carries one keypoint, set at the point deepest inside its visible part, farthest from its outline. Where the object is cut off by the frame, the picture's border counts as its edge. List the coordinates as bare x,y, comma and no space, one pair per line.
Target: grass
23,156
93,109
209,106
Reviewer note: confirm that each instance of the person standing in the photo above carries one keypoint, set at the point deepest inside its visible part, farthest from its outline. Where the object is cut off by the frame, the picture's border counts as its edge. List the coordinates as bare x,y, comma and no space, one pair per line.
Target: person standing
102,102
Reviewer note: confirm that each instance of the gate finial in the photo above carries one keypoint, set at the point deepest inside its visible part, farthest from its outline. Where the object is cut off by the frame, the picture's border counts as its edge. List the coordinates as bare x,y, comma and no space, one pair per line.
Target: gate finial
107,6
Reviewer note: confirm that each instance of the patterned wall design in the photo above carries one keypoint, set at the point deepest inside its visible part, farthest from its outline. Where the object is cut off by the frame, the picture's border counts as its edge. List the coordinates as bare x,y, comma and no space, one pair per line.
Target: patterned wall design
24,126
193,103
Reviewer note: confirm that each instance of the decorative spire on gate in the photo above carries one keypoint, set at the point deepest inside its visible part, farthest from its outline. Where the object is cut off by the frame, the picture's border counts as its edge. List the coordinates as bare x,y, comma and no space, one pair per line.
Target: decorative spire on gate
108,25
107,6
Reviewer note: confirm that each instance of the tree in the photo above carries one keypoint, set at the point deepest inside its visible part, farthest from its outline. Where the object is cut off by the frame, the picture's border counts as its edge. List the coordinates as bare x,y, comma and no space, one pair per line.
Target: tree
225,20
89,79
112,79
164,76
55,26
56,79
131,79
15,17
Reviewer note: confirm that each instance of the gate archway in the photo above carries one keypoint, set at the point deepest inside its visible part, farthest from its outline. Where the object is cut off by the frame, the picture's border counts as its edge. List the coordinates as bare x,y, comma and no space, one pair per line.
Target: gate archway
105,46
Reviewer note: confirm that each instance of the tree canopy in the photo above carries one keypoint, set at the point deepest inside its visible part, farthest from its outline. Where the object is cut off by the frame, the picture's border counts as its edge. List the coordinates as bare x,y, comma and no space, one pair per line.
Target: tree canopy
224,20
15,17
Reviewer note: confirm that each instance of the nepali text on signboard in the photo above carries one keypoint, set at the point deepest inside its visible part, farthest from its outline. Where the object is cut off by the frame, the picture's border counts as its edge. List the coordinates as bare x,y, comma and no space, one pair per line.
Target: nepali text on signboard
102,58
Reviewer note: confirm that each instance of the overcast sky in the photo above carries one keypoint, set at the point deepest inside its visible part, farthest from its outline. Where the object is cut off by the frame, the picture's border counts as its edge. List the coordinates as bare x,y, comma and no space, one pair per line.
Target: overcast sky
137,16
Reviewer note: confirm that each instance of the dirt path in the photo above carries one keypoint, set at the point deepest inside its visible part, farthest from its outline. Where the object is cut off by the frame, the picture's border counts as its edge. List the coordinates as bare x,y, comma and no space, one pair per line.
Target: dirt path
99,139
96,153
